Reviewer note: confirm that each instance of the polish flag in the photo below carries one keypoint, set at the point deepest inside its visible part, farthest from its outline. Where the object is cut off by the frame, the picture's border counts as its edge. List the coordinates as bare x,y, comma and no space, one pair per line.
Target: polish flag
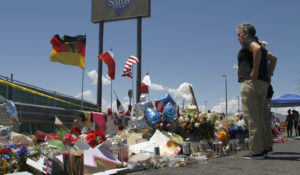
145,83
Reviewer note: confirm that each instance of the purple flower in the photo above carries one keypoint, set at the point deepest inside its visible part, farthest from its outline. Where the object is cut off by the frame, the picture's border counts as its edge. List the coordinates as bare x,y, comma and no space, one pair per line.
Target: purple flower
11,147
22,151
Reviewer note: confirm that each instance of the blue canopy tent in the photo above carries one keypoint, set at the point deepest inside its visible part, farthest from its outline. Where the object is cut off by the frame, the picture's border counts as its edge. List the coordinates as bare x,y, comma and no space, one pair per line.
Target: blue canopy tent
286,100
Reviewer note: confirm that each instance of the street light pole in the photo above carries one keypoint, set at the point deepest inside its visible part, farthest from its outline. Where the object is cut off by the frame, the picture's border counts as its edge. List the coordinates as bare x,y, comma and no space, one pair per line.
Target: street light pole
238,98
225,76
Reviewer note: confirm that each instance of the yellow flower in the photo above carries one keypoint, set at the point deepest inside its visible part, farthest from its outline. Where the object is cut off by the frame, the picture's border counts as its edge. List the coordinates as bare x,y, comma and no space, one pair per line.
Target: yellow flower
120,133
222,135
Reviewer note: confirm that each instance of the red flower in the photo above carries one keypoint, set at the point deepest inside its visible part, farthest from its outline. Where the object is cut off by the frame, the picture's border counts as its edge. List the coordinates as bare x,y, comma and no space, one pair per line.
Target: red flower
71,138
95,137
91,137
76,131
7,151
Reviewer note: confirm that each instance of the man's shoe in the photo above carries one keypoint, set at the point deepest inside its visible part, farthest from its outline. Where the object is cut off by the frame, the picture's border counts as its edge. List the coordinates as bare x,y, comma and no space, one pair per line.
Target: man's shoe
270,150
254,156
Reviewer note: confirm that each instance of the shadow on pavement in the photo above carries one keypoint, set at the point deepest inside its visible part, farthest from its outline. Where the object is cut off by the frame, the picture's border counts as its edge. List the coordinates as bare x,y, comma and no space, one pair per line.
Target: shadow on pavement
284,158
286,153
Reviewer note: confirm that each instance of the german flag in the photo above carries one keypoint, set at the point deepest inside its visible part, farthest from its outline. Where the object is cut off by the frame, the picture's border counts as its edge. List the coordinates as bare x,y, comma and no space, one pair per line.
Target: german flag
69,50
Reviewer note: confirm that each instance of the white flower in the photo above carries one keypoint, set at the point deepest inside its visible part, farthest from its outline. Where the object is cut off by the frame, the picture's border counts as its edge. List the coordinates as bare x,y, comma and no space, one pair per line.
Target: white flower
197,125
192,120
180,119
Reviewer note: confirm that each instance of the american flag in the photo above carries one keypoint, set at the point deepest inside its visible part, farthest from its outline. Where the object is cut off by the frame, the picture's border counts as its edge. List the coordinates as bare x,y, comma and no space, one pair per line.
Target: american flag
128,64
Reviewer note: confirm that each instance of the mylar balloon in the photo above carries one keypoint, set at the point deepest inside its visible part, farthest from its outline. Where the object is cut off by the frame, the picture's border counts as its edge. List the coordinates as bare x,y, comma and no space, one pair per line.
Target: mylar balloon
169,112
161,102
152,116
141,107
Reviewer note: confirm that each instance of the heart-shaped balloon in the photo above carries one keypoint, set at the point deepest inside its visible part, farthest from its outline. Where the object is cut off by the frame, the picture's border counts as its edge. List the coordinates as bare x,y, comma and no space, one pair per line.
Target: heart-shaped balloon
152,116
170,112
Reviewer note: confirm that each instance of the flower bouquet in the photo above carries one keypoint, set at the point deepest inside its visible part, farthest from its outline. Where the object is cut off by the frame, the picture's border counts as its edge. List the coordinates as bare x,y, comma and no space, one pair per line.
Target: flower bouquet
94,138
196,126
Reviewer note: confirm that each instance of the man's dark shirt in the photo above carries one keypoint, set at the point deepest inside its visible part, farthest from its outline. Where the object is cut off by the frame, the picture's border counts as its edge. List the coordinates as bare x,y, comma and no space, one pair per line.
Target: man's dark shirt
245,62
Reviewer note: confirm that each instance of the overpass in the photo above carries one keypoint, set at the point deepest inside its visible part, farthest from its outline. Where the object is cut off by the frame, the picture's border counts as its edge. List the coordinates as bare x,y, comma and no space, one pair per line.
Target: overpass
37,107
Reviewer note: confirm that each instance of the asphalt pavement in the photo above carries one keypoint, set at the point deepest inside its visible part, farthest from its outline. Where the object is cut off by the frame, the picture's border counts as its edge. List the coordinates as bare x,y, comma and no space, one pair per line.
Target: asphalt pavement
285,160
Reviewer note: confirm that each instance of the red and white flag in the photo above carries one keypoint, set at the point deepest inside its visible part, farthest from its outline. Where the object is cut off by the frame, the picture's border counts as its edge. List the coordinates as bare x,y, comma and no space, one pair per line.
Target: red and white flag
145,84
128,64
108,59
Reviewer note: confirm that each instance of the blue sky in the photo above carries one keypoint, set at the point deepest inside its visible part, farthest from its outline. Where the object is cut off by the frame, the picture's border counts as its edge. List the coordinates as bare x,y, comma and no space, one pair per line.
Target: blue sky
183,41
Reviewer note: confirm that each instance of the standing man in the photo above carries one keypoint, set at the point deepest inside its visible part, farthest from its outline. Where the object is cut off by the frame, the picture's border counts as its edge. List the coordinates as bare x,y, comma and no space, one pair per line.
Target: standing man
252,74
268,135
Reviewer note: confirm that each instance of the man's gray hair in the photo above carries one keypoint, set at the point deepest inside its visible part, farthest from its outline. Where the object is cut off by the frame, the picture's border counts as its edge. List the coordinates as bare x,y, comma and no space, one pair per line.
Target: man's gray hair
247,27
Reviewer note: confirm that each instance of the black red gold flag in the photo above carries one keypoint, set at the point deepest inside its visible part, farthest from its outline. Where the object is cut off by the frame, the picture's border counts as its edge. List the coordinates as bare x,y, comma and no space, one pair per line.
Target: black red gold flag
69,50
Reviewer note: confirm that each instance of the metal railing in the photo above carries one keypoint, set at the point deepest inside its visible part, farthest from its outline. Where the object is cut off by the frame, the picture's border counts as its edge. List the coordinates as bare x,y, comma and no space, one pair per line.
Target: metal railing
21,96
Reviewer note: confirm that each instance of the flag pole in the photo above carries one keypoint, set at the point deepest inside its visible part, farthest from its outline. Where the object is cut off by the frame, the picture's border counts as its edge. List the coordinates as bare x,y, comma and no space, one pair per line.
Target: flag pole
132,85
148,87
115,93
82,89
111,94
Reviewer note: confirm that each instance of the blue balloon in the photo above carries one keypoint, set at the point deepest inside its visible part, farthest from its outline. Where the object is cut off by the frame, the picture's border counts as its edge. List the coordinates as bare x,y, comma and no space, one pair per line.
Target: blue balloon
166,98
170,112
152,116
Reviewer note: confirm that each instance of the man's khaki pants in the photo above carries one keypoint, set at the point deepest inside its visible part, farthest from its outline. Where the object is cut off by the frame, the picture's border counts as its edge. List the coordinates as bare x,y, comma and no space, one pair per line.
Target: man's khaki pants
268,129
253,95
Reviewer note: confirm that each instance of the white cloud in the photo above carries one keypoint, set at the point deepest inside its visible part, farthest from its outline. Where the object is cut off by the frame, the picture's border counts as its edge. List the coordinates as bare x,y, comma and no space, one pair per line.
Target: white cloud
157,87
182,92
87,95
232,107
171,91
94,76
